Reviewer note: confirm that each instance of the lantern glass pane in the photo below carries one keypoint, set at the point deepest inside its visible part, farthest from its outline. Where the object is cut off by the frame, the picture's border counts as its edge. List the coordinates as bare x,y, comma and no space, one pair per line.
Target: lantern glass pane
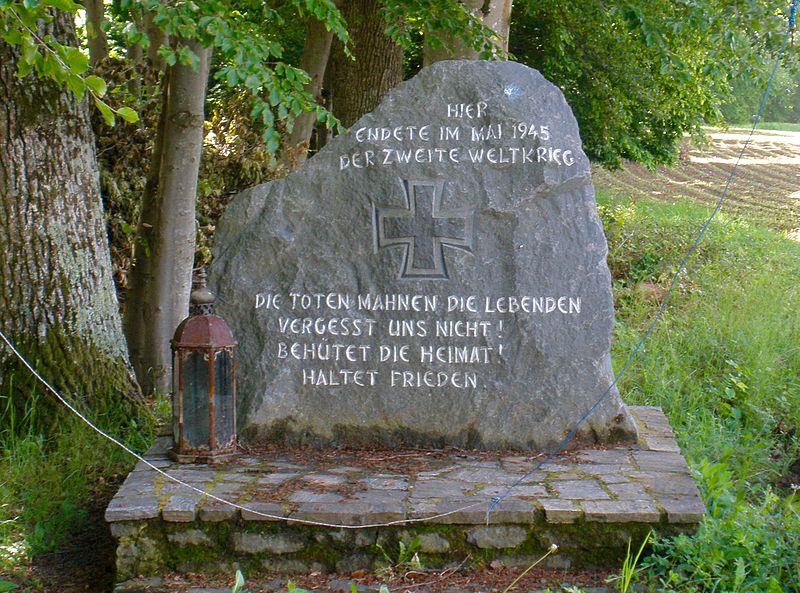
176,359
196,429
223,398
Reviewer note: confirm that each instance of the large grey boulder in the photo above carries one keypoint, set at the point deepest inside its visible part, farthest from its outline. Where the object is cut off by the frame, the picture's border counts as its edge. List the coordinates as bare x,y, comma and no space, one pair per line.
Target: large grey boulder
435,276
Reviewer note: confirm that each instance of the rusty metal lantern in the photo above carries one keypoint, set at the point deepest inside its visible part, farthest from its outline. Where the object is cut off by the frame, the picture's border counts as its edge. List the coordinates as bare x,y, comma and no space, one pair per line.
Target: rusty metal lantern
204,382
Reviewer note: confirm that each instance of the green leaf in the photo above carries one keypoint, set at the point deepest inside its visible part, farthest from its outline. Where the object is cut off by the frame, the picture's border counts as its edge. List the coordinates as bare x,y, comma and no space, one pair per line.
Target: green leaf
12,36
65,5
6,586
76,60
108,113
96,84
128,114
77,85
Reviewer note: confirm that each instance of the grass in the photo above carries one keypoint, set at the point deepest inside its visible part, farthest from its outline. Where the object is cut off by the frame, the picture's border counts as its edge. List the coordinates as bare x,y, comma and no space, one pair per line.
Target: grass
724,364
53,469
769,125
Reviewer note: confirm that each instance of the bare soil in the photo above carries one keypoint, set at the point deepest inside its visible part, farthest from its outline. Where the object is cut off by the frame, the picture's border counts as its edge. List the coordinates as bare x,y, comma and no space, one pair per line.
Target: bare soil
765,188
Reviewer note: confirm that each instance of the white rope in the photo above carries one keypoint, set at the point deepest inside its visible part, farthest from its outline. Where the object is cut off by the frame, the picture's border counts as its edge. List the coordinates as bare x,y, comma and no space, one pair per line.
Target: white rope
230,503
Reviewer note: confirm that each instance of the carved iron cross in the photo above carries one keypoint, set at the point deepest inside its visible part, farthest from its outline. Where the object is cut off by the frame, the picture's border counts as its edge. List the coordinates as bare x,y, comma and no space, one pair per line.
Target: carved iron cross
423,229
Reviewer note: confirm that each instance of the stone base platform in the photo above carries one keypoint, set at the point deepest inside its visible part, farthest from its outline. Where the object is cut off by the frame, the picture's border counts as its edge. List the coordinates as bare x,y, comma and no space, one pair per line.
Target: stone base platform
588,502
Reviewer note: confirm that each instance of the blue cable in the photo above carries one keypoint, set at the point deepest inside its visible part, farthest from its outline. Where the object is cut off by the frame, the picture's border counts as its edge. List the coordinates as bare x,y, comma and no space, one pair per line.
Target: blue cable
496,500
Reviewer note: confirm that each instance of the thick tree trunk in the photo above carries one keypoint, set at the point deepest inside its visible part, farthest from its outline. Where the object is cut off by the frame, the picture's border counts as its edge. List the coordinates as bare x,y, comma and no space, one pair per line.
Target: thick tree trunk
359,86
98,41
495,14
160,280
314,61
57,296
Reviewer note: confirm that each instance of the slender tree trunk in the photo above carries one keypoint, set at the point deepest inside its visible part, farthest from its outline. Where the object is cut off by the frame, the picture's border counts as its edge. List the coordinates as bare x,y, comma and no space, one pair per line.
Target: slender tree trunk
160,279
496,14
135,55
98,41
359,86
157,38
57,296
314,61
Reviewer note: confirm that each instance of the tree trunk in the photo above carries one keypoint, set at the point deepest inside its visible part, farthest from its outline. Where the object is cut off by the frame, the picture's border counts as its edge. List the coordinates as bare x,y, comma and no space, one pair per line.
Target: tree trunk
157,38
495,14
160,280
57,296
359,86
314,61
98,41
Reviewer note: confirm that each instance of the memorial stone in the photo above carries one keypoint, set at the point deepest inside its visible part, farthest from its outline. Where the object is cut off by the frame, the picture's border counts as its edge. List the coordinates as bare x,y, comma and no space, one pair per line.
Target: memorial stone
435,276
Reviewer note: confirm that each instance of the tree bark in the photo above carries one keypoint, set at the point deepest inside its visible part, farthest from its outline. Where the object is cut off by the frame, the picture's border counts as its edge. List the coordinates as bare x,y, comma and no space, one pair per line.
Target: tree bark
160,280
314,61
57,296
157,38
495,14
98,41
359,86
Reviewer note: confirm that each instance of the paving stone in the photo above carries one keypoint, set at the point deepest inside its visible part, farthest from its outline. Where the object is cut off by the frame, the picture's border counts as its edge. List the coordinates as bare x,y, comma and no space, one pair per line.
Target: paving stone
324,480
603,457
497,536
521,491
180,509
437,488
629,491
276,478
347,470
135,508
615,479
189,537
274,543
560,511
264,511
578,489
677,485
241,477
192,475
380,496
215,512
311,496
227,489
660,461
160,463
449,512
482,475
565,476
621,511
385,483
350,512
514,510
665,444
682,509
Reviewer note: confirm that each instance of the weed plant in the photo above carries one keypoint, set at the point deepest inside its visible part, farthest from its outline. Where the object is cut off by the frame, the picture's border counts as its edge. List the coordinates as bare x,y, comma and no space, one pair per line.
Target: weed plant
53,468
724,364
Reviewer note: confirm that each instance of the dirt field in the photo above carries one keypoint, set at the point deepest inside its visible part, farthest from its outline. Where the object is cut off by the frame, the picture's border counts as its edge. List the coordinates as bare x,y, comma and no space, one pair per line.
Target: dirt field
766,188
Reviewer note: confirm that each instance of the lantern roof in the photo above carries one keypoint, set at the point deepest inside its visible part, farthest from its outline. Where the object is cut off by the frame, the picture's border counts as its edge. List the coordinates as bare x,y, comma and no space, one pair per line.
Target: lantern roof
203,331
